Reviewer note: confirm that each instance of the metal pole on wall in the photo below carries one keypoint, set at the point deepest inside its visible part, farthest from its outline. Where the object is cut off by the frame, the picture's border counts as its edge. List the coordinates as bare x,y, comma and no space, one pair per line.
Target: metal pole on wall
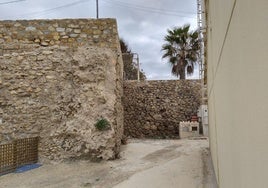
97,9
136,57
138,67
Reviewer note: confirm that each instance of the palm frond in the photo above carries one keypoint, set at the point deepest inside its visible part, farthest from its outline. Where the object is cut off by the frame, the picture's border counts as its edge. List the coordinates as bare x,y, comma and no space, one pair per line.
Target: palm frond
182,49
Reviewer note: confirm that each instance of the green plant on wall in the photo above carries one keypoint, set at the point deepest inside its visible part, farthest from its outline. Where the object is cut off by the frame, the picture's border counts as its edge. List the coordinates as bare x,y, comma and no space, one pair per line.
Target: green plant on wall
102,124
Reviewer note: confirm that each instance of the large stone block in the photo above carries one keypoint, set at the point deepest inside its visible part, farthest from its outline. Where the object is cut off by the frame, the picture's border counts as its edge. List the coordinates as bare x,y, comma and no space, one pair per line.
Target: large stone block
58,91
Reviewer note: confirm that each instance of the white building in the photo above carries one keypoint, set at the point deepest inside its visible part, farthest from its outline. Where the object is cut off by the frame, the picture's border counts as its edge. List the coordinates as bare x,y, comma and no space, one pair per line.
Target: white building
237,62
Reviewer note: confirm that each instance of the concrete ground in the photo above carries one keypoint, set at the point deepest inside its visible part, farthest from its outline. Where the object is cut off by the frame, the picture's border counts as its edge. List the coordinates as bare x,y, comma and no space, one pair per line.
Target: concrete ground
144,164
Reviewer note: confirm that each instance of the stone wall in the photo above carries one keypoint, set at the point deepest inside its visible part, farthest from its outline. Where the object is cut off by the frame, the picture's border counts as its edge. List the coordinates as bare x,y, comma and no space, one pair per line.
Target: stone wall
153,109
70,32
58,77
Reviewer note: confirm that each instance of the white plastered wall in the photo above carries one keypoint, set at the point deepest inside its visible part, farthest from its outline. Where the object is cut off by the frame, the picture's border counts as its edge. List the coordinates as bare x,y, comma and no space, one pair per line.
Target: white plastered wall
237,53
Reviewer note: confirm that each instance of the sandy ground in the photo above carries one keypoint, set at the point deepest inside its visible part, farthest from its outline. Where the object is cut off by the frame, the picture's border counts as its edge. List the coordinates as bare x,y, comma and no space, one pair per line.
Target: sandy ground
144,164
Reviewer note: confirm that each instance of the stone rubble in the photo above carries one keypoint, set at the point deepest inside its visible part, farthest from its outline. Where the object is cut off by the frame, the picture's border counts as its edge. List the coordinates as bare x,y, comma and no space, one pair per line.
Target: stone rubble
154,109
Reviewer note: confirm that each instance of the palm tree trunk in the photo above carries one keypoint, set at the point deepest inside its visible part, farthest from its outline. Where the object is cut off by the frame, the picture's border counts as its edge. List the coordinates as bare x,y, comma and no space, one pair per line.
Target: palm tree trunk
181,69
182,74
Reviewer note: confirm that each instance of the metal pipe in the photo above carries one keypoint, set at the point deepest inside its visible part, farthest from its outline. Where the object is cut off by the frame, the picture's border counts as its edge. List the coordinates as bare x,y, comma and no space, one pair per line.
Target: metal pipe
97,9
138,70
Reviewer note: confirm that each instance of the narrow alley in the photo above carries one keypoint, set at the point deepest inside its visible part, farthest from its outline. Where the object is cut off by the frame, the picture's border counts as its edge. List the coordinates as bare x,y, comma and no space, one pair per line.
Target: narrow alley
143,164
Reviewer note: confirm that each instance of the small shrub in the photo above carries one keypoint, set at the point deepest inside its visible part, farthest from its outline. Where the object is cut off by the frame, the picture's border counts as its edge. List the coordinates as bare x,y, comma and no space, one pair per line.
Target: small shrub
102,124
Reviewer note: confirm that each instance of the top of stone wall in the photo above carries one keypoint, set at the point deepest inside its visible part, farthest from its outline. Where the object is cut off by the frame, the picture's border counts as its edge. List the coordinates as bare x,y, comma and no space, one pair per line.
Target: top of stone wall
70,32
137,83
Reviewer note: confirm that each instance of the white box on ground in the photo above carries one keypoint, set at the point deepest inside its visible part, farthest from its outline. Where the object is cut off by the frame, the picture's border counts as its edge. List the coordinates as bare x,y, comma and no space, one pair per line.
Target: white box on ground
189,129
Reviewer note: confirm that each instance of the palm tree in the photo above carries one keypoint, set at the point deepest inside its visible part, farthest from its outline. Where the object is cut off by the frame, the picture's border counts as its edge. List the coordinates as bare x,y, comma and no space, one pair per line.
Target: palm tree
182,50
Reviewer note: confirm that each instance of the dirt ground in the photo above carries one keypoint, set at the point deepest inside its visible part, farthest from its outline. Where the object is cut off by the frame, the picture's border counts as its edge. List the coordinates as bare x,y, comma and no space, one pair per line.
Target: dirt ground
143,164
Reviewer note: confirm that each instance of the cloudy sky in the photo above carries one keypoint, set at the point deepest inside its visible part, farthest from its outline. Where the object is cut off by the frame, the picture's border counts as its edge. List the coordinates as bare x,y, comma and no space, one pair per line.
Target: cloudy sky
141,23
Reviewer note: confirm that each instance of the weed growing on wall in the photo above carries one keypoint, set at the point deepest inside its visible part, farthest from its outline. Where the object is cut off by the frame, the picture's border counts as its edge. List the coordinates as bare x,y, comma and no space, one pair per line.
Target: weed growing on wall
102,124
